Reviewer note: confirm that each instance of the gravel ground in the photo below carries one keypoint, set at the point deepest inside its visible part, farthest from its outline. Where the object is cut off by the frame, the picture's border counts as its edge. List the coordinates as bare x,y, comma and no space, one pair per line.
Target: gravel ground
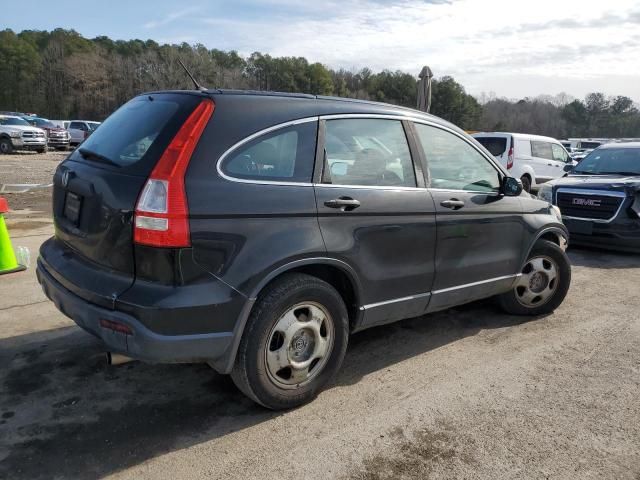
466,393
30,167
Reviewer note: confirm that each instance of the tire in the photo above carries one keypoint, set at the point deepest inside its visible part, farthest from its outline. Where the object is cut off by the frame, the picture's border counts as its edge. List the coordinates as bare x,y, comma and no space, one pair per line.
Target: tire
526,183
300,300
6,146
530,296
41,150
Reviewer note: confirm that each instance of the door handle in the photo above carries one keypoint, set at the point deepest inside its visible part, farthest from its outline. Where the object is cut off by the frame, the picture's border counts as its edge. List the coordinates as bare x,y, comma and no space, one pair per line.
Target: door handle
549,164
453,204
346,204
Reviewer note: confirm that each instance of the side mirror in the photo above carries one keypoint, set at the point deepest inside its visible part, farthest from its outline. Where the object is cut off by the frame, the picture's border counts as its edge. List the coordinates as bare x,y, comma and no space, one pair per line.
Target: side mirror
511,187
568,168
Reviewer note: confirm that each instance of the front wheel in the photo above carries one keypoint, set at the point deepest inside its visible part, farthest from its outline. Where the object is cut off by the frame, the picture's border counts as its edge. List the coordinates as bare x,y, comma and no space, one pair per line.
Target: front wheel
542,284
6,146
294,342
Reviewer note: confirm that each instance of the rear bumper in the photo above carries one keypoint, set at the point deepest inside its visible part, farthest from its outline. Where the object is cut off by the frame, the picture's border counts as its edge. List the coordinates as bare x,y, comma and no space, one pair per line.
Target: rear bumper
142,343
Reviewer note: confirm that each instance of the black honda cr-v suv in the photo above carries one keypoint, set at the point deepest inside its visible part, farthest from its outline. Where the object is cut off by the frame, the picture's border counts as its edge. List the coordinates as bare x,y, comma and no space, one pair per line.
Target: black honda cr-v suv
256,231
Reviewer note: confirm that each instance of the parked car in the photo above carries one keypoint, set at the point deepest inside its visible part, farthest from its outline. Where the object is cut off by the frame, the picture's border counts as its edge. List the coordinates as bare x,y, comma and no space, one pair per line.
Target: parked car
258,236
531,158
57,137
582,144
80,130
600,198
17,134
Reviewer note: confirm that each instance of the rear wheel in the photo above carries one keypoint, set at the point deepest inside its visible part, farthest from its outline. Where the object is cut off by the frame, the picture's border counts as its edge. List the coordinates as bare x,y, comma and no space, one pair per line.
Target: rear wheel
543,283
526,183
294,342
6,146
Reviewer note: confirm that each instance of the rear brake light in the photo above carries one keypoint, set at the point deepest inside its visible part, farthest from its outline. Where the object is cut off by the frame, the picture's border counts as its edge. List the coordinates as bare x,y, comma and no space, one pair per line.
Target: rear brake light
161,217
510,158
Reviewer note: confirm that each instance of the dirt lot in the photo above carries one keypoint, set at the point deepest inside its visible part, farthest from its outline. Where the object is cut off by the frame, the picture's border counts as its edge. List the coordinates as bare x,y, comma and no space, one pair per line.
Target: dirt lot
34,168
467,393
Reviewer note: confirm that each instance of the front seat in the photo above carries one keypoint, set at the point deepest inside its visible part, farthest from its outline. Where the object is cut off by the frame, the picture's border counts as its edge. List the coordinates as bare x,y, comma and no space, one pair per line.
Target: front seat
370,168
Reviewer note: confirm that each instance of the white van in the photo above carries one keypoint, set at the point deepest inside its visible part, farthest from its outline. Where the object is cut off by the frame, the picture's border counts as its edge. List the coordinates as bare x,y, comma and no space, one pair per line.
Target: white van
531,158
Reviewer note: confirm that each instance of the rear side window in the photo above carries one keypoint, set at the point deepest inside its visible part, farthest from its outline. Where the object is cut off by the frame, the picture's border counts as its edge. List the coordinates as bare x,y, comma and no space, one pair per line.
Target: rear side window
541,150
285,155
496,145
367,152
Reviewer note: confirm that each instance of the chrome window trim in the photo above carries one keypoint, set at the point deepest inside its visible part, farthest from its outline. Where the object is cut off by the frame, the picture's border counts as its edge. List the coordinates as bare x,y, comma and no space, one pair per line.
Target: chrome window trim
375,187
374,116
601,193
454,190
252,137
436,292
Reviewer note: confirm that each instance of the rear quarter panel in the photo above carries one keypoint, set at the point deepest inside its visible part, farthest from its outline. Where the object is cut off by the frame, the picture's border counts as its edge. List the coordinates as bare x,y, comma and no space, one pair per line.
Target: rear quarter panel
241,232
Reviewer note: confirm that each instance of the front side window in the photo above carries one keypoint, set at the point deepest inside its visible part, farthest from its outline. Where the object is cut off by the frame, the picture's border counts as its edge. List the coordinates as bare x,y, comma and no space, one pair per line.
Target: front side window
367,152
541,150
454,164
559,153
285,155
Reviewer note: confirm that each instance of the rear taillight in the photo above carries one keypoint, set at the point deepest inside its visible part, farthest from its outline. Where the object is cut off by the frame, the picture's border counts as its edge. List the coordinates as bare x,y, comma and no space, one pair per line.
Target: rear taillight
161,217
86,134
510,158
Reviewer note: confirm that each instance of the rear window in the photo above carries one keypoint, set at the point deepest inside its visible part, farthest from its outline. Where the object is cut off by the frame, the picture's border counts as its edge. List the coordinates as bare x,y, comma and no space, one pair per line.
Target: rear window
496,145
135,136
590,144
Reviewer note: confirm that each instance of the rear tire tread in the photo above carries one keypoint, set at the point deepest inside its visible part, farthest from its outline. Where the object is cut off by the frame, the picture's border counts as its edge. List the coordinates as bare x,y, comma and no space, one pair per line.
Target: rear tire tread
261,318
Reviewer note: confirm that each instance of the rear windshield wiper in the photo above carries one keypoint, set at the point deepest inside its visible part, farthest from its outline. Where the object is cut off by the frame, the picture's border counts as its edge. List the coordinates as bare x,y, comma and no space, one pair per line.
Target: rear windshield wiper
90,155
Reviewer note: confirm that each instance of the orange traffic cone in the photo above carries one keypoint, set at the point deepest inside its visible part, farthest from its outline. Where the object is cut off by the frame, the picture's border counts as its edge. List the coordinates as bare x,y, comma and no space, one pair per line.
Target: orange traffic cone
8,261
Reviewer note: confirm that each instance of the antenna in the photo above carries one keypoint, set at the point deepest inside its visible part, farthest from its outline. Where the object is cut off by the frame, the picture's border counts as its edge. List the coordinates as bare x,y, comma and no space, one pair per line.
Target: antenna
195,82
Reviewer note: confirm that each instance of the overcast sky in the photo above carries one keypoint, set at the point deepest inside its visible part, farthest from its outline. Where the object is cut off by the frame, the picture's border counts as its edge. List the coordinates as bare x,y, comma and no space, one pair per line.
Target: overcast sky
513,48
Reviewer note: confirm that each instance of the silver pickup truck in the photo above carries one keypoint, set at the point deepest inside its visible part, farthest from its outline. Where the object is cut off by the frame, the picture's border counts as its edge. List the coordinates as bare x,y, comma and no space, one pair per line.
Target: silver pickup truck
17,134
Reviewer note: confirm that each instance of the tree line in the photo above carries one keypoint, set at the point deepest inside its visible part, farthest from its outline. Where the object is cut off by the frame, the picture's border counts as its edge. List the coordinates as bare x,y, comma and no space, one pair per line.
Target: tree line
62,75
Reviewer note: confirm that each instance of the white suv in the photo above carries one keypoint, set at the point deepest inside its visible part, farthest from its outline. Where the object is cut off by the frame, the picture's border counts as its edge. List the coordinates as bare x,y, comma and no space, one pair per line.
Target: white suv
17,134
531,158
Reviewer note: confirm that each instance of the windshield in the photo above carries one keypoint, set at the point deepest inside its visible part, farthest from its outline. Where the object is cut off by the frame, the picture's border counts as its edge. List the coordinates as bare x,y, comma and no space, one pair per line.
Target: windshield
93,125
13,121
625,161
41,122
